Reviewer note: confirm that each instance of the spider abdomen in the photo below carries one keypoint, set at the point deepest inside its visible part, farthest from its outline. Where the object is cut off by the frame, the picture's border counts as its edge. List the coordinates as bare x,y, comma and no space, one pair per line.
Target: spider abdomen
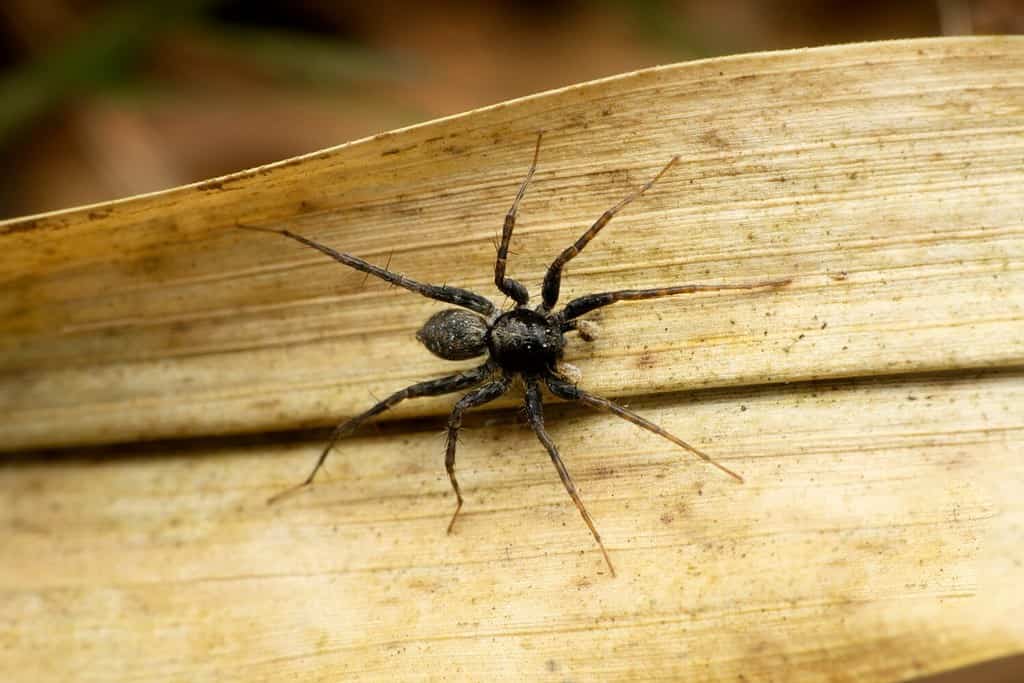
454,334
525,341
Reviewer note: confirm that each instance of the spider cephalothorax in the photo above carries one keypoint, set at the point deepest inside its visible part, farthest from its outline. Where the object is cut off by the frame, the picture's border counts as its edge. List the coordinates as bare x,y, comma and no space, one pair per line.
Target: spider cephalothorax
526,341
522,342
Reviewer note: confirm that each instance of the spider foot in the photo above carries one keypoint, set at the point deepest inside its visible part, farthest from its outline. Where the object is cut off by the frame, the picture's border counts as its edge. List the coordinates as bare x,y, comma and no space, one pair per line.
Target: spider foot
287,493
458,507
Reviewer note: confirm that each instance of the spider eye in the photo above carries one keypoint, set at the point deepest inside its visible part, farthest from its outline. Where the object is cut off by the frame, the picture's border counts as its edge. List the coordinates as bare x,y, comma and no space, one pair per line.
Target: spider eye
454,334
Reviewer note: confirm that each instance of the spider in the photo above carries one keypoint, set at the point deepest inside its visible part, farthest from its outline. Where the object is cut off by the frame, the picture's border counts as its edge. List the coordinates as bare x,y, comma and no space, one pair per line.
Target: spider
523,342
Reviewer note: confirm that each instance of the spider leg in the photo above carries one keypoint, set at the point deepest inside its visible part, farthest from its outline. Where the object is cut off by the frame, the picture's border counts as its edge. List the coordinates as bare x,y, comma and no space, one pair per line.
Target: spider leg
434,387
451,295
585,304
513,288
553,278
477,397
535,414
569,392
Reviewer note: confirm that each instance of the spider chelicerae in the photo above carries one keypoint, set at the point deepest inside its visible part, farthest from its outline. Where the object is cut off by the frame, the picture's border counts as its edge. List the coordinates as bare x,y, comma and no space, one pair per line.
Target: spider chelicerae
522,342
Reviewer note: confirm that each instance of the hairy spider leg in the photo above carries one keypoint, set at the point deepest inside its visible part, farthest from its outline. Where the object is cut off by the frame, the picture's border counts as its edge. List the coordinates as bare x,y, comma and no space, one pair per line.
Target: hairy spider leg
477,397
433,387
513,288
553,278
535,414
570,392
589,302
451,295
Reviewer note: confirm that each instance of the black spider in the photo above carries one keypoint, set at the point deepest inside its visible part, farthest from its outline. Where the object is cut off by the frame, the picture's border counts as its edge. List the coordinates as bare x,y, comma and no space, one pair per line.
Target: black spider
525,342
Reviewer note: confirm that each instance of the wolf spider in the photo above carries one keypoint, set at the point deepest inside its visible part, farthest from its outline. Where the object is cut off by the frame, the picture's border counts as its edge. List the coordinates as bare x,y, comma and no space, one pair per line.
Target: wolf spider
524,342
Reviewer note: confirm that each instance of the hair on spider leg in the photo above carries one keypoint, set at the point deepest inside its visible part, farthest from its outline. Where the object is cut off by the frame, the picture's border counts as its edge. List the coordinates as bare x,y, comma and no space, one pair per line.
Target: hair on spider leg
524,344
494,241
387,266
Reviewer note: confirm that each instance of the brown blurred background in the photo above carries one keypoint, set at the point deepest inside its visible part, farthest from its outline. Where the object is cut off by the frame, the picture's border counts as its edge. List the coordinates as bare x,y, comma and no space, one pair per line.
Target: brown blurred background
100,100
